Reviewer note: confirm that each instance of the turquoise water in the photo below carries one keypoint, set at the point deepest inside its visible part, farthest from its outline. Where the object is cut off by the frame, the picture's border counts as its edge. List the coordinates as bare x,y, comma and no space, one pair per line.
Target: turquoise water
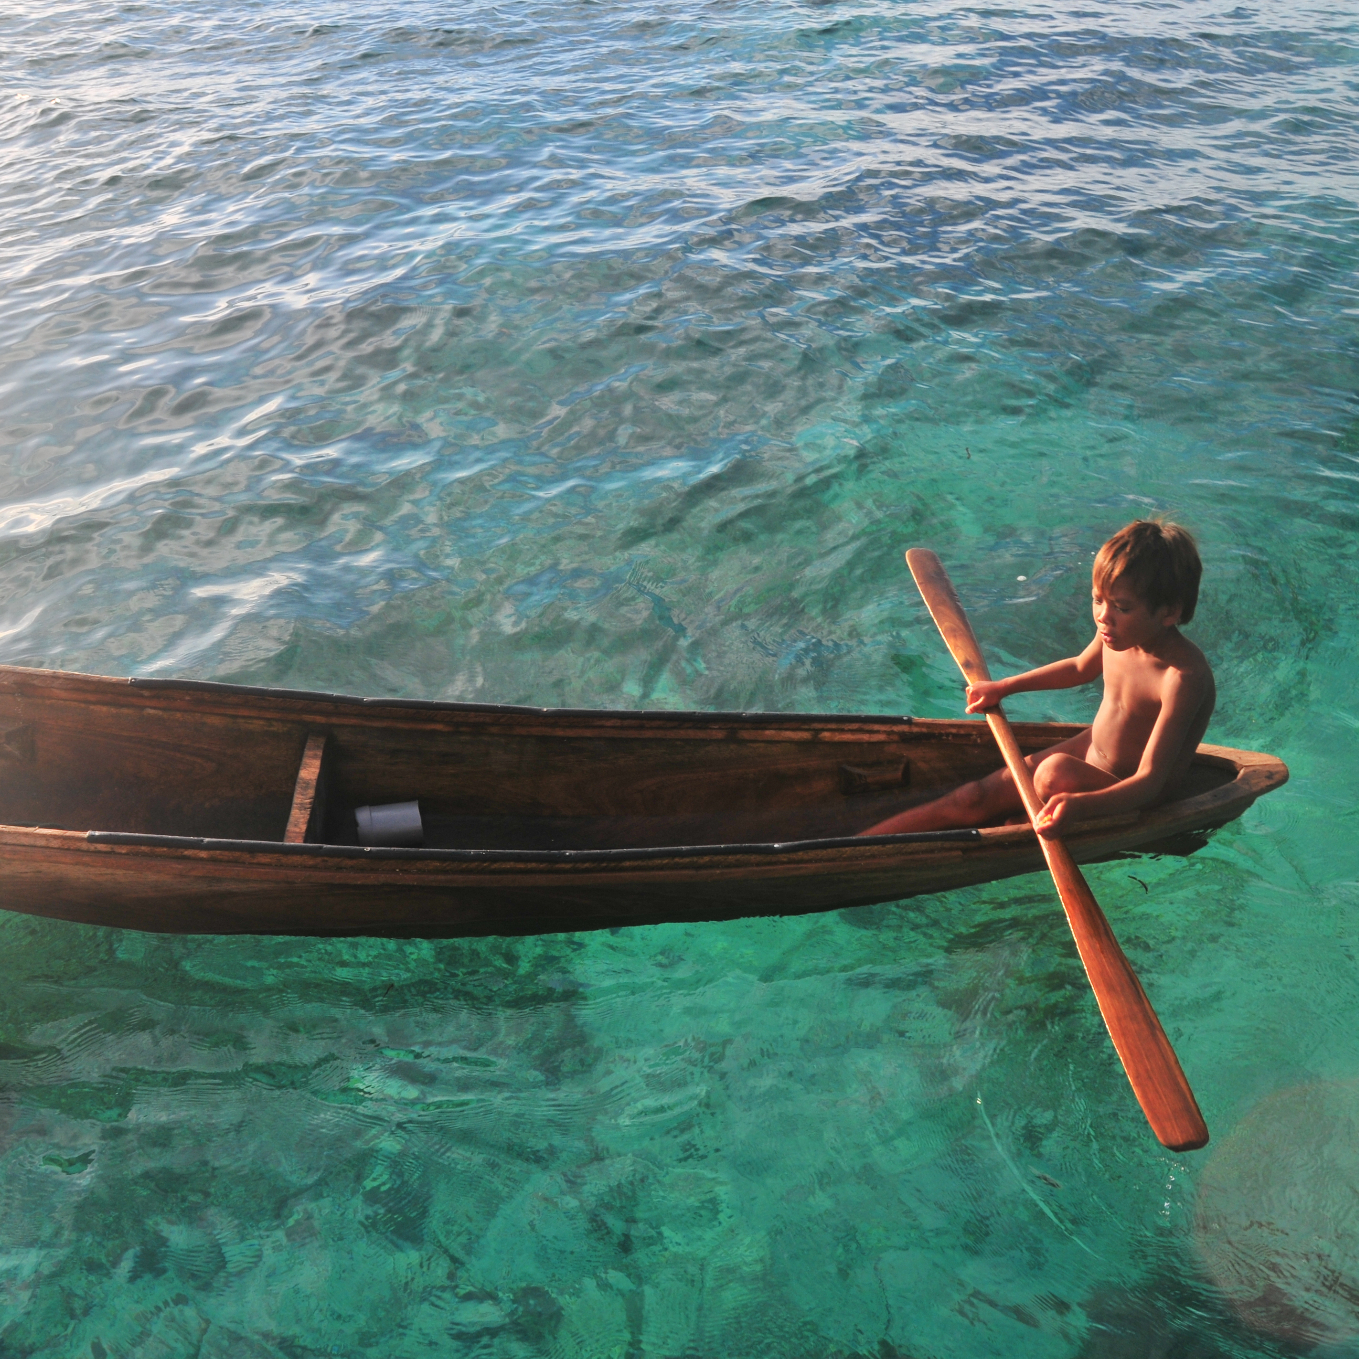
609,354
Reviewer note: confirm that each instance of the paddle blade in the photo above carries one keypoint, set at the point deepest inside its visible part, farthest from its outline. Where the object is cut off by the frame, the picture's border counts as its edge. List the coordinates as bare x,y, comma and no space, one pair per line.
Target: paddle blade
936,589
1154,1071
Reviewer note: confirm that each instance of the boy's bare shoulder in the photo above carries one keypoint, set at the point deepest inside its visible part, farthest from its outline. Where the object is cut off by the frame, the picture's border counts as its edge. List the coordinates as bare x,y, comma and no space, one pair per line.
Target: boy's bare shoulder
1184,655
1188,663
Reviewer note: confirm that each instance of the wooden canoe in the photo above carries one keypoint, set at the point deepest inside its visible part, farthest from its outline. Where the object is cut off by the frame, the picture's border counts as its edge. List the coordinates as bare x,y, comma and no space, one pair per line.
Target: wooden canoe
194,807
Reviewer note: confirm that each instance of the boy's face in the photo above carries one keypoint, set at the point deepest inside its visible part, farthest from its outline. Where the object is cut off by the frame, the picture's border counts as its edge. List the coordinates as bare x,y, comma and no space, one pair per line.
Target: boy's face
1123,618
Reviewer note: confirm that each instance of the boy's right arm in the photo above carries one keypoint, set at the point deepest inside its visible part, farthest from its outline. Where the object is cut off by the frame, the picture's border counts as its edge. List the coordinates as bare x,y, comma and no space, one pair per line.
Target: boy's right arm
1065,674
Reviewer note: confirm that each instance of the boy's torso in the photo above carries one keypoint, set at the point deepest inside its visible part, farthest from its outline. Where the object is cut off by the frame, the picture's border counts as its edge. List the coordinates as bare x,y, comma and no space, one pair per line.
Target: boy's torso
1134,681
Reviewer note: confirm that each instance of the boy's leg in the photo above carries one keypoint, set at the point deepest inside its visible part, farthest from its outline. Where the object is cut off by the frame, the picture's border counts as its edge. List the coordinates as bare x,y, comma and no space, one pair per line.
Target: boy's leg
1058,769
973,804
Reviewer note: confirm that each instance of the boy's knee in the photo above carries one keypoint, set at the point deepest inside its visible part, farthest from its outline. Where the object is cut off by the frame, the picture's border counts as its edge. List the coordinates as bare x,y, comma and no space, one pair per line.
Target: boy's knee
1054,775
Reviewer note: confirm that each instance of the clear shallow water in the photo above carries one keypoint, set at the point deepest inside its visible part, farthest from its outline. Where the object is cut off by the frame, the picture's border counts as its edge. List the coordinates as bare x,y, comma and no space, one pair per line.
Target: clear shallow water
610,355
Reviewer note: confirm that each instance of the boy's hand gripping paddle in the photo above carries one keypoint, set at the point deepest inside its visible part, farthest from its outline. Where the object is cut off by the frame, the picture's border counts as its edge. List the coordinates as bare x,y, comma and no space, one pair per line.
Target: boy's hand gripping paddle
1147,1056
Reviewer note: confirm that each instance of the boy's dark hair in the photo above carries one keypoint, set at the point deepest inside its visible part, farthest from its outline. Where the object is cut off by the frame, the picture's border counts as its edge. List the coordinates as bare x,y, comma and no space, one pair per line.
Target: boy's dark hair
1159,562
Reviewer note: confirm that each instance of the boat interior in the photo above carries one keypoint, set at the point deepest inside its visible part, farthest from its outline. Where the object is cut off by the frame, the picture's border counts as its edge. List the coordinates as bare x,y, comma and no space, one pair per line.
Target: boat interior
177,762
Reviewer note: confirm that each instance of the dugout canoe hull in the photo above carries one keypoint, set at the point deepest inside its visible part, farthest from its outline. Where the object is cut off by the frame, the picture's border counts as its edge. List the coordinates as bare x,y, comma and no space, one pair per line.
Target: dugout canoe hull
191,807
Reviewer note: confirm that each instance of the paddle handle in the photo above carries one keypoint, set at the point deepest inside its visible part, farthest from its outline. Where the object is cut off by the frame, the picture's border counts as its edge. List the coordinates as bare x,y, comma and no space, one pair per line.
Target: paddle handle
1153,1069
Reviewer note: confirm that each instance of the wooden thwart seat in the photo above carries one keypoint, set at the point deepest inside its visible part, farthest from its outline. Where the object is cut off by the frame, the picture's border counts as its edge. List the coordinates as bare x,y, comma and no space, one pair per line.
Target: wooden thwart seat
306,821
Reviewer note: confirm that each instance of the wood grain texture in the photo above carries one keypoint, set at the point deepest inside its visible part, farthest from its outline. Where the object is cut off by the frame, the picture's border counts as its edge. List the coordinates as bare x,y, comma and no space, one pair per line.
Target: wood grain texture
308,810
536,820
1148,1058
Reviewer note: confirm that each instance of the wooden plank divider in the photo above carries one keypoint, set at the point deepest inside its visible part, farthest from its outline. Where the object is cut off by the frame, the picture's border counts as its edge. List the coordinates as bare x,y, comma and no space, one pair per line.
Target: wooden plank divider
308,813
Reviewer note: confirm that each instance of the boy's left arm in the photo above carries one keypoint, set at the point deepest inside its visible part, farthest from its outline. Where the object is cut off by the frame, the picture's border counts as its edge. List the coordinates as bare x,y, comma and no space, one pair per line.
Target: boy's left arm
1182,695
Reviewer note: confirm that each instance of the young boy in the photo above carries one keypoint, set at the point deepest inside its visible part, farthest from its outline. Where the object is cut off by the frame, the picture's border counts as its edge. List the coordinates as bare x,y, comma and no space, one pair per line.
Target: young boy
1158,697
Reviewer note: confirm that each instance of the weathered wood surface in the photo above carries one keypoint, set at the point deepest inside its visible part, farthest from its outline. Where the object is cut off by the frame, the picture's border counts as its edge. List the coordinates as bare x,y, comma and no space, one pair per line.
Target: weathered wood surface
1153,1069
307,819
163,805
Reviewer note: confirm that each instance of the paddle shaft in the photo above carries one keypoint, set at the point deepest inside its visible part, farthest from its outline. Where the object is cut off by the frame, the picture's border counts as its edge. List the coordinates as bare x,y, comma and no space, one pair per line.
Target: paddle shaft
1141,1043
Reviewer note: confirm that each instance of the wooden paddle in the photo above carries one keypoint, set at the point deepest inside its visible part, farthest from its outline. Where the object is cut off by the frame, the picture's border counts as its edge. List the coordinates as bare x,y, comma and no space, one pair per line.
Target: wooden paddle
1147,1056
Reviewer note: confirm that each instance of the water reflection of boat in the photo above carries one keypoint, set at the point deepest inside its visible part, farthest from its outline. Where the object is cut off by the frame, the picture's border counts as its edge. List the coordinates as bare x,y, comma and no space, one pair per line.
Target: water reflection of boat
213,808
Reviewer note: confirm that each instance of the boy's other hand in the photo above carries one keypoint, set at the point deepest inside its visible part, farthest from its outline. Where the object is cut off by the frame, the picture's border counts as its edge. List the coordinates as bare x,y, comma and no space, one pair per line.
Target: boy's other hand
984,694
1053,815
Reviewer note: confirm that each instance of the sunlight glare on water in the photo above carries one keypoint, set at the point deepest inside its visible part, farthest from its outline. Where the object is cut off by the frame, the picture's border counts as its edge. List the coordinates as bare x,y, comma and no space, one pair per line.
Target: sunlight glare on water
607,354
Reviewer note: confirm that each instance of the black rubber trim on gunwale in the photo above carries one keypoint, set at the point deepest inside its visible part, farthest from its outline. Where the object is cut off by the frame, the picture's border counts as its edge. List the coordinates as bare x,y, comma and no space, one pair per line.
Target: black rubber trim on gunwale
537,856
514,709
251,690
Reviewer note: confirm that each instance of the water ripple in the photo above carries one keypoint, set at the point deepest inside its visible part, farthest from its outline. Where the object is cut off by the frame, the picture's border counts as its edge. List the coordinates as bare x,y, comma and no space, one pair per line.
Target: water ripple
610,356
